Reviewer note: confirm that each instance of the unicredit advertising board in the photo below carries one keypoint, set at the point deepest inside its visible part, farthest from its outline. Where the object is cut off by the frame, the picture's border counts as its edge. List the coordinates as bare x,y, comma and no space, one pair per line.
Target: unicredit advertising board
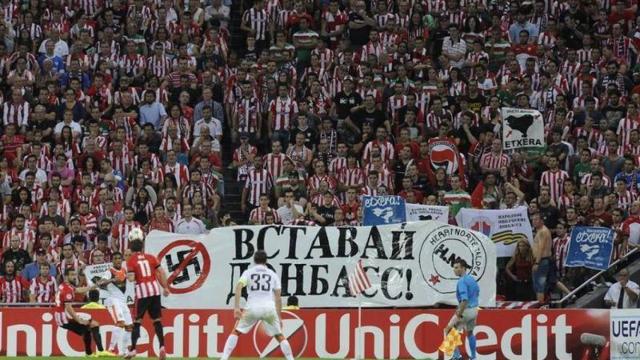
332,333
407,264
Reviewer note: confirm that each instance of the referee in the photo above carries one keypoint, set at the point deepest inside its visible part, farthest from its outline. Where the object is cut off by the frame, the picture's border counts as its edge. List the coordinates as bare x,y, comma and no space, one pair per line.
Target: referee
467,292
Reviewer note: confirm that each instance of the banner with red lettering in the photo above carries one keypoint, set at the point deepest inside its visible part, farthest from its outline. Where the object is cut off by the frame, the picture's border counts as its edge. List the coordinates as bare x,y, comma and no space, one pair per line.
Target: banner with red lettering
330,333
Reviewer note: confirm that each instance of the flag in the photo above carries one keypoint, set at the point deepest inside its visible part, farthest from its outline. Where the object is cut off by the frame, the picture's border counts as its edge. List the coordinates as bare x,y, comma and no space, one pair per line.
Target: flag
450,342
358,280
477,196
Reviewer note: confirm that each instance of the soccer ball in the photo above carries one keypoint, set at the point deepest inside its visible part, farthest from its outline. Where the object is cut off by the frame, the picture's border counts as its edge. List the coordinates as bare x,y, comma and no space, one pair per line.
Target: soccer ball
136,234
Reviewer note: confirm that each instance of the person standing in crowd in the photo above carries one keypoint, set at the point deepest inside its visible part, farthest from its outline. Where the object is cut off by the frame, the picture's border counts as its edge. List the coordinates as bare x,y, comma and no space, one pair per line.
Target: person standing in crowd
543,265
624,293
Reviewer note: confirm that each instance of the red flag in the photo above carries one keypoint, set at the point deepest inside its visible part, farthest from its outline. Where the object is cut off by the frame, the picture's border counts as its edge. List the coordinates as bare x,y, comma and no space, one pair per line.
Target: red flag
477,196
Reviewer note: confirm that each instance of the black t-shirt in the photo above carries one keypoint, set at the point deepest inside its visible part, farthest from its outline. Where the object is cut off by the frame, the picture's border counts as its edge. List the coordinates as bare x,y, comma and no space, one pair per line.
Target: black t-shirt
358,37
375,118
328,213
476,103
310,136
345,102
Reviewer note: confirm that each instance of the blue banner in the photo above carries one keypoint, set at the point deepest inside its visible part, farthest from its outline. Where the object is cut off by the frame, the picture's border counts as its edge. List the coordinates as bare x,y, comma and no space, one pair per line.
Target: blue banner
382,210
590,247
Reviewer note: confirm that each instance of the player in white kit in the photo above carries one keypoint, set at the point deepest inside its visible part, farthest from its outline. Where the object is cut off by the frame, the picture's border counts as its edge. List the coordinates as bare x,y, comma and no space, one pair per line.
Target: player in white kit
264,303
115,284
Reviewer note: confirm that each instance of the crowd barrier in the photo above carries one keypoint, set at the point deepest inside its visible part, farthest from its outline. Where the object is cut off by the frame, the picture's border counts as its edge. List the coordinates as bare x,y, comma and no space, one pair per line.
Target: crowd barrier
333,333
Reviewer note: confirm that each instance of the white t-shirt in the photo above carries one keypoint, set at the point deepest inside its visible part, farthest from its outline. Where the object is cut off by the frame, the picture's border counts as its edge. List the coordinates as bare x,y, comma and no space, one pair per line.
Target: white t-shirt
195,226
214,125
286,214
613,294
260,282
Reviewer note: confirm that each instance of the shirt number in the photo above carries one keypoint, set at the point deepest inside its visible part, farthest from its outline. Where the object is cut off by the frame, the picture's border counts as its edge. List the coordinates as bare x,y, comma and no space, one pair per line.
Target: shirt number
260,282
144,267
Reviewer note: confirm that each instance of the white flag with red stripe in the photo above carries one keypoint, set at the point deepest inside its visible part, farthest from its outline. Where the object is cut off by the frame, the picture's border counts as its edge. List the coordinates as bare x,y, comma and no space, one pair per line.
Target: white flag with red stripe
358,280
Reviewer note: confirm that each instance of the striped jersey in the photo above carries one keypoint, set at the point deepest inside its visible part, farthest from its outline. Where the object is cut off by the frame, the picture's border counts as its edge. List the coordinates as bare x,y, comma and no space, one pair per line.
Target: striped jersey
144,267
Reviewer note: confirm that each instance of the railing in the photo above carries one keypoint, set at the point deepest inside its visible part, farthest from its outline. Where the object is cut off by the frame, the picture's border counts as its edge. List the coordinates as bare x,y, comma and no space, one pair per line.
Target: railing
559,303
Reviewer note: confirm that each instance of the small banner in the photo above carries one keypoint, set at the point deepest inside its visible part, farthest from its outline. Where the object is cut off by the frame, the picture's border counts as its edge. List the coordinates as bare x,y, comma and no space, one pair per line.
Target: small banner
505,227
382,210
418,212
590,247
522,129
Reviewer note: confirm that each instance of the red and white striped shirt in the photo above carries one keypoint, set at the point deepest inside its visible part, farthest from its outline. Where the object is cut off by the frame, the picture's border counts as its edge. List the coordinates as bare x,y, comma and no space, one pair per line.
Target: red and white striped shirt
121,231
337,164
12,291
555,181
560,247
387,151
273,164
25,235
351,177
258,182
16,113
44,290
493,161
144,266
624,128
64,295
259,215
626,199
179,171
247,110
283,110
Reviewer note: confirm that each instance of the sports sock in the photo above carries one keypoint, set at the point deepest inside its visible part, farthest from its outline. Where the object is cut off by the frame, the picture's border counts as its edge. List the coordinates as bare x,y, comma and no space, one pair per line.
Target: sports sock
125,341
472,345
86,338
286,349
135,334
116,336
95,331
157,325
231,343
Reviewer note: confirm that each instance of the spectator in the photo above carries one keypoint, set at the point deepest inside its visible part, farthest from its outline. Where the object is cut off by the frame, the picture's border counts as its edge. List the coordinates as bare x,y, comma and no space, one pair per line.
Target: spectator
16,255
542,266
624,293
519,270
13,287
188,224
33,270
43,286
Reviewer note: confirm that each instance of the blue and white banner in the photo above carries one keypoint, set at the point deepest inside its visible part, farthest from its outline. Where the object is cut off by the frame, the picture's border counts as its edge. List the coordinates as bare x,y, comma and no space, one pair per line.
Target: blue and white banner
383,210
590,247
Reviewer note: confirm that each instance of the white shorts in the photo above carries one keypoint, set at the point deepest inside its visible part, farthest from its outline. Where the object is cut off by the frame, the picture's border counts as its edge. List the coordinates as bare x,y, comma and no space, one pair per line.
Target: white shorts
119,311
268,316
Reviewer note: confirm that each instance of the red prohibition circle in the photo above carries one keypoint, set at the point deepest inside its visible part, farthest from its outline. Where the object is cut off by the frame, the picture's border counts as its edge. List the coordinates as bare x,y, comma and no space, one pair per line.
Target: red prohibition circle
196,247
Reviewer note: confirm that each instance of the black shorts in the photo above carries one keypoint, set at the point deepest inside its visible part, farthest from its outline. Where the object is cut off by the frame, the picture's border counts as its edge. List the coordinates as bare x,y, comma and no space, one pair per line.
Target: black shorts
76,327
150,304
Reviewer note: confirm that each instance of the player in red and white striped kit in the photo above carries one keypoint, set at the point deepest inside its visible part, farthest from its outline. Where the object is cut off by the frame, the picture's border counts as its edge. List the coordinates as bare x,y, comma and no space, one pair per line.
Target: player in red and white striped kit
149,277
67,318
43,287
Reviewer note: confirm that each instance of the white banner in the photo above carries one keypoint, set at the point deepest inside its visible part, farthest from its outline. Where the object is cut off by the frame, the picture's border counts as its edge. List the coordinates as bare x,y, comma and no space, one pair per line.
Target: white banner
522,128
418,212
505,227
624,334
408,264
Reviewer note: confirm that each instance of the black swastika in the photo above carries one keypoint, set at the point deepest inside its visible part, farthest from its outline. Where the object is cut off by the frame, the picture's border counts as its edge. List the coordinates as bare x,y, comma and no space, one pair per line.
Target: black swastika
185,272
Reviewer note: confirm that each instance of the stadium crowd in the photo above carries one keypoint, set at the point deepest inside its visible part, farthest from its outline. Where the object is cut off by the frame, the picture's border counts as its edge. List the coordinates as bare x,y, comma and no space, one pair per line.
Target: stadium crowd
118,114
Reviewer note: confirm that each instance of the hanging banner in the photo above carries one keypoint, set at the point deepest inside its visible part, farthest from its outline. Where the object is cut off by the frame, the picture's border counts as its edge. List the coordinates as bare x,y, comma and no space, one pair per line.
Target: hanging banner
590,247
444,154
381,210
407,264
522,129
333,334
505,227
418,212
